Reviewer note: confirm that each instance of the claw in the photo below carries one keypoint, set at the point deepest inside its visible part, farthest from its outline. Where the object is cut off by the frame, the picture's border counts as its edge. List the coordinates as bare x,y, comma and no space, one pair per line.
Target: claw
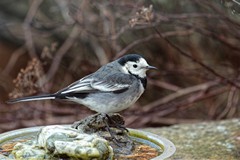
116,124
109,121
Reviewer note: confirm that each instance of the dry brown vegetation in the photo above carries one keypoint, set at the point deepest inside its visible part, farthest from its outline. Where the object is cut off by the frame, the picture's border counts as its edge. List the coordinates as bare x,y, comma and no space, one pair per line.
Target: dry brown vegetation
46,45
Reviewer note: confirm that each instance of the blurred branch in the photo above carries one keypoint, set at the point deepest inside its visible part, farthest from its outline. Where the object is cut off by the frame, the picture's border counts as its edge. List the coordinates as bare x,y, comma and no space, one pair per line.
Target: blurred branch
231,96
167,18
192,15
173,107
164,85
171,121
236,2
150,37
216,36
63,5
62,51
185,54
180,93
13,59
207,4
27,28
186,103
232,103
39,122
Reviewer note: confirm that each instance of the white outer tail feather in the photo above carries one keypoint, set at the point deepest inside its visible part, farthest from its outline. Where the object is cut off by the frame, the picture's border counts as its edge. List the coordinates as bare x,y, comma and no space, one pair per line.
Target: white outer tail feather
32,98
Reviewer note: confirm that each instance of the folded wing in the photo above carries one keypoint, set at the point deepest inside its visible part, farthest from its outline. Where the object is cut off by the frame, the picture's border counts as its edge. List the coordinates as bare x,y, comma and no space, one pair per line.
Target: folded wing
111,83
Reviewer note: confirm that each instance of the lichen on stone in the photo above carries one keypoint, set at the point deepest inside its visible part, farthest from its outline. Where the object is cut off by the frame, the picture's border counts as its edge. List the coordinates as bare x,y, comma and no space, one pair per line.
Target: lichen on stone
57,141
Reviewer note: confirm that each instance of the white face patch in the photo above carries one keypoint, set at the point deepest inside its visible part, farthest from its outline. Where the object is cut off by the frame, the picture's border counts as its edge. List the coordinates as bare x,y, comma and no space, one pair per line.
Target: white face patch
138,68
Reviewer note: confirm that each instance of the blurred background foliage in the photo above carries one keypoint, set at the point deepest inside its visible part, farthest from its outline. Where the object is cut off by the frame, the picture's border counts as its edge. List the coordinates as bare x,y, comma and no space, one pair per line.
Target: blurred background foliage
47,44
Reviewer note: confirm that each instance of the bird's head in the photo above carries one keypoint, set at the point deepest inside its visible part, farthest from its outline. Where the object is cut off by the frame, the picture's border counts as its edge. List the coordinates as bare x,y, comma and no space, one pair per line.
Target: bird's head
134,64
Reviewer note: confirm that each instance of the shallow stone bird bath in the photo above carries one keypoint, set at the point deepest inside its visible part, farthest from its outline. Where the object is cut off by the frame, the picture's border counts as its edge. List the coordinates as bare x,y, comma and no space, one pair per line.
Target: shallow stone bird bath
165,147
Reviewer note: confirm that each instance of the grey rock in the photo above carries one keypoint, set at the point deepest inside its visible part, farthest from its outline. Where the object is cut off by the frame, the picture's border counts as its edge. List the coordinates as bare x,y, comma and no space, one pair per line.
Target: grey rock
208,140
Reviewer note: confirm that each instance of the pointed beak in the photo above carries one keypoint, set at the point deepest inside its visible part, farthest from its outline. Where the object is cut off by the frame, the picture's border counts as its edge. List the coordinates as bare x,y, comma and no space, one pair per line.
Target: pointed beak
151,67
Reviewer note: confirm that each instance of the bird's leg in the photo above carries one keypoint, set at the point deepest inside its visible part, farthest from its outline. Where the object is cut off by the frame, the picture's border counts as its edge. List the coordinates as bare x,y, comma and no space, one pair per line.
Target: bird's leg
114,139
116,124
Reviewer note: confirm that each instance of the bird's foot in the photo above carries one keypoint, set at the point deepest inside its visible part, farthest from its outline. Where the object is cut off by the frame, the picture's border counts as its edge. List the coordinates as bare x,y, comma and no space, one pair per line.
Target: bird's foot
110,121
115,120
113,137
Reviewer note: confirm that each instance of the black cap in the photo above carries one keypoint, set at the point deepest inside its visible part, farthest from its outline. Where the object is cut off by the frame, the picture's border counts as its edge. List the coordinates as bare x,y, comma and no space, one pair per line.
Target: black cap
129,57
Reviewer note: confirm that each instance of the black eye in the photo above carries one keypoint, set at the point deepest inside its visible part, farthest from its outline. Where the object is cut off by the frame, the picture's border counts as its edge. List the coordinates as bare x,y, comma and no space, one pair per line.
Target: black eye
135,66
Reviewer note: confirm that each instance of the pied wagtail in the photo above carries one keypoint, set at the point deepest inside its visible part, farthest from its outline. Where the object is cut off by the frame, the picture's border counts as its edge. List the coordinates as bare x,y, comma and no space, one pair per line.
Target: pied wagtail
112,88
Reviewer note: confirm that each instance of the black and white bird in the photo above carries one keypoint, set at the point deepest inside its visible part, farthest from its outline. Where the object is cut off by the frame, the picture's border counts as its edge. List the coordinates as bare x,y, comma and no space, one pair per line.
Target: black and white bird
112,88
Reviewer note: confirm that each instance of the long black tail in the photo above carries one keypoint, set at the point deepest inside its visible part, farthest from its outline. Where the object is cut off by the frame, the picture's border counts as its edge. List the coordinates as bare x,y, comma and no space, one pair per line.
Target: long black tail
32,98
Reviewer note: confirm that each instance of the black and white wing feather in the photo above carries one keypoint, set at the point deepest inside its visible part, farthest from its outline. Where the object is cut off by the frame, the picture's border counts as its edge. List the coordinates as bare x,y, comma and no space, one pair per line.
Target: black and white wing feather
83,85
112,83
